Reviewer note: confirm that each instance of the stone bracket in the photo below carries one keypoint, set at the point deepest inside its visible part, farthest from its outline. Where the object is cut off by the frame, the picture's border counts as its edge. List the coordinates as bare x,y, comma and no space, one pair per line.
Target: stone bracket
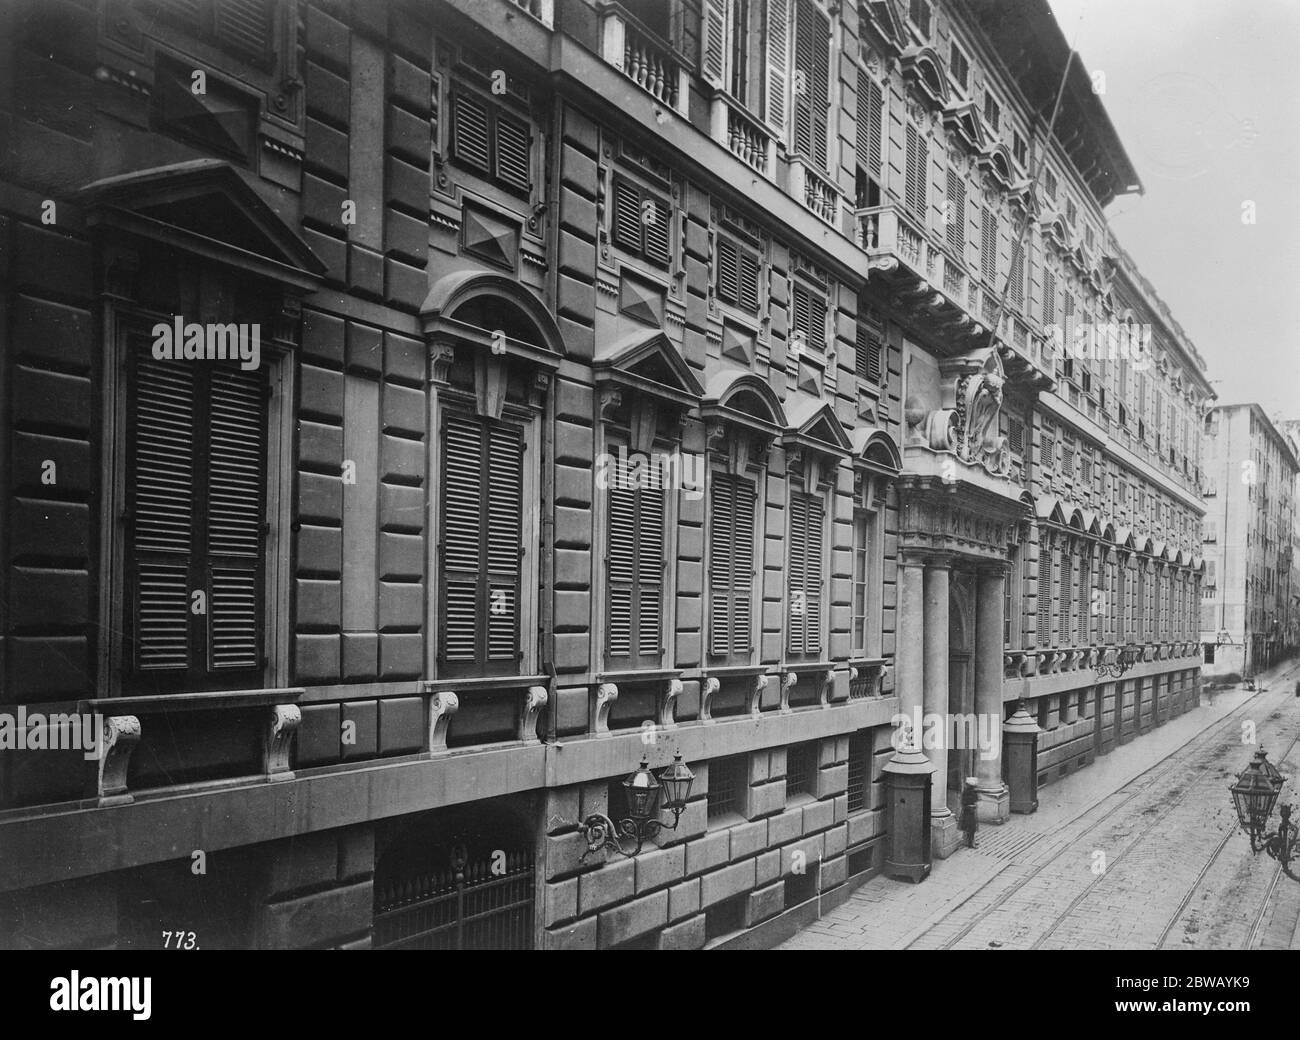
443,704
755,697
282,723
118,738
711,687
606,695
534,700
668,707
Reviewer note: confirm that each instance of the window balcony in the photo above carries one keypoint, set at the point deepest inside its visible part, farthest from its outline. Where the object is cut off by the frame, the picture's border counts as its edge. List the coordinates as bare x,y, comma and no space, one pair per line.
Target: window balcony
743,135
815,191
644,58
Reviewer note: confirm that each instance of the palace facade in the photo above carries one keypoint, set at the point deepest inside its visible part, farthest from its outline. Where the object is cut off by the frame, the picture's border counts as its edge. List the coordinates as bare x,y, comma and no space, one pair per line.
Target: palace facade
370,629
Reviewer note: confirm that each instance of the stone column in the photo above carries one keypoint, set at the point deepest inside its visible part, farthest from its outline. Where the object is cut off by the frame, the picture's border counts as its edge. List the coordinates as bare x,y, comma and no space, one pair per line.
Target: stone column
909,677
943,825
995,802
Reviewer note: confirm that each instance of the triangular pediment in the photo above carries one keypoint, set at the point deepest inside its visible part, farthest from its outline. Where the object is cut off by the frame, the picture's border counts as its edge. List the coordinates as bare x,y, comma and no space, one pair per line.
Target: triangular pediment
648,361
205,206
887,18
963,119
813,423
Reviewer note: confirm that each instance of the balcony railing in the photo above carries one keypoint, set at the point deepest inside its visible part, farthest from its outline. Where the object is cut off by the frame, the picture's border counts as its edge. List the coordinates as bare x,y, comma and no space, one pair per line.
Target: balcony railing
817,193
744,136
645,59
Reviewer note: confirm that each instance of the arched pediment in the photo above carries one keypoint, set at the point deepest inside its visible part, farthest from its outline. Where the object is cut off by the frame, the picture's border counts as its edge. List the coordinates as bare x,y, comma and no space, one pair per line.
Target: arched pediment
876,450
474,306
1075,519
741,396
1108,531
206,207
647,362
924,68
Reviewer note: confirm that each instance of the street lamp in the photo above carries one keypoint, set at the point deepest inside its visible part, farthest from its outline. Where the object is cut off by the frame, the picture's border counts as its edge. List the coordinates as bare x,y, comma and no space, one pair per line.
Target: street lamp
1253,796
643,790
1125,658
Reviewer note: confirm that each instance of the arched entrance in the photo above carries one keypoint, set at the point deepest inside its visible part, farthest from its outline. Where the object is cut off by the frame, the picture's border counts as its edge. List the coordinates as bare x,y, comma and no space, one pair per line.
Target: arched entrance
456,879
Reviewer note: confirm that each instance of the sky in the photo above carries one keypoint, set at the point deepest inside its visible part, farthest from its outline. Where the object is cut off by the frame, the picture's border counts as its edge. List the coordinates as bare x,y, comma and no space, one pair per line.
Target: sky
1206,99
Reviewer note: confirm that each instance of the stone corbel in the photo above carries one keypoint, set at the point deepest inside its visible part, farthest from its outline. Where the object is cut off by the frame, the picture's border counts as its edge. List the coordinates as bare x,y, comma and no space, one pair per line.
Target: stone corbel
609,400
606,695
668,707
787,684
711,687
534,701
441,356
118,736
756,695
443,704
715,438
539,388
282,723
287,322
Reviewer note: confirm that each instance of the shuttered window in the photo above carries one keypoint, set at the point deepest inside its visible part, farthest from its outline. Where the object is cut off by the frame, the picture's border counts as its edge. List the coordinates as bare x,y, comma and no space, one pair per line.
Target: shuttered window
1017,274
731,566
1016,435
640,222
1049,297
808,316
871,116
1044,605
713,40
636,561
804,580
863,542
917,174
955,217
490,141
196,487
481,544
778,63
737,275
989,246
869,355
812,82
241,26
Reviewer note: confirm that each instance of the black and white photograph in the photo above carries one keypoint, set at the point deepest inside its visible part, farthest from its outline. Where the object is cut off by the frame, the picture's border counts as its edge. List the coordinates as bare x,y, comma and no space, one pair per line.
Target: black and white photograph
732,475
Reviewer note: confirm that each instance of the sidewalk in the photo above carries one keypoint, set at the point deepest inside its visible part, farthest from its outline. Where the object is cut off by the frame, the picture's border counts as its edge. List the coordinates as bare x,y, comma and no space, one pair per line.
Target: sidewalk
890,914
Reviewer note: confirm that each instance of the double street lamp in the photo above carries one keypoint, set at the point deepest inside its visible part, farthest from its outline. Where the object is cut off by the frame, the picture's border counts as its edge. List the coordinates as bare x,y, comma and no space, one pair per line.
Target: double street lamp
643,791
1254,795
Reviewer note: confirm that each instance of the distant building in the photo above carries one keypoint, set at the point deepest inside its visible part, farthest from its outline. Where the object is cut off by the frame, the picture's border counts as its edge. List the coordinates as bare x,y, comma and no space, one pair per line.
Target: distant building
1248,615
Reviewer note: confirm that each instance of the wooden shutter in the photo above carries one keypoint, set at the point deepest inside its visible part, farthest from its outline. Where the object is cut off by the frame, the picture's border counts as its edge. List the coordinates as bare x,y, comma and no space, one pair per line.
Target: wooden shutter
1044,589
812,105
728,270
512,151
731,565
750,272
1049,297
244,25
236,492
871,114
656,246
713,37
636,566
778,64
163,487
482,518
989,247
809,316
469,132
626,223
804,580
917,160
197,491
868,355
956,230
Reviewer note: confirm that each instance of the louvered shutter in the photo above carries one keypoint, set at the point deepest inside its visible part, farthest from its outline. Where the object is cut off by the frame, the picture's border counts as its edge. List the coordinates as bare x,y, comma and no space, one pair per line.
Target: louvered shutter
627,215
816,29
796,588
244,25
956,230
868,355
1044,590
505,506
462,535
470,132
236,492
871,113
750,271
512,151
728,271
1049,297
722,526
742,573
163,482
657,232
714,40
650,569
812,574
989,247
622,561
917,159
778,63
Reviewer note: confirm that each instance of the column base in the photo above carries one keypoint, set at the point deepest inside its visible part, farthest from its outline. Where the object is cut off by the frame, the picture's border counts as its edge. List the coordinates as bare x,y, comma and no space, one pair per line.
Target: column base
944,836
994,805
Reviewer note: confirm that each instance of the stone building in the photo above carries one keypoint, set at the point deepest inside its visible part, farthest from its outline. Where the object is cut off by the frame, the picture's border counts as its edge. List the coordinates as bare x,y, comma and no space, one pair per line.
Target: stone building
376,621
1250,518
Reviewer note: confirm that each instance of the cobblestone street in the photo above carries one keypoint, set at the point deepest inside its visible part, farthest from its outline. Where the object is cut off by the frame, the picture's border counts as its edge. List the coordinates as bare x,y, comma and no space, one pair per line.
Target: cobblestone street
1139,851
